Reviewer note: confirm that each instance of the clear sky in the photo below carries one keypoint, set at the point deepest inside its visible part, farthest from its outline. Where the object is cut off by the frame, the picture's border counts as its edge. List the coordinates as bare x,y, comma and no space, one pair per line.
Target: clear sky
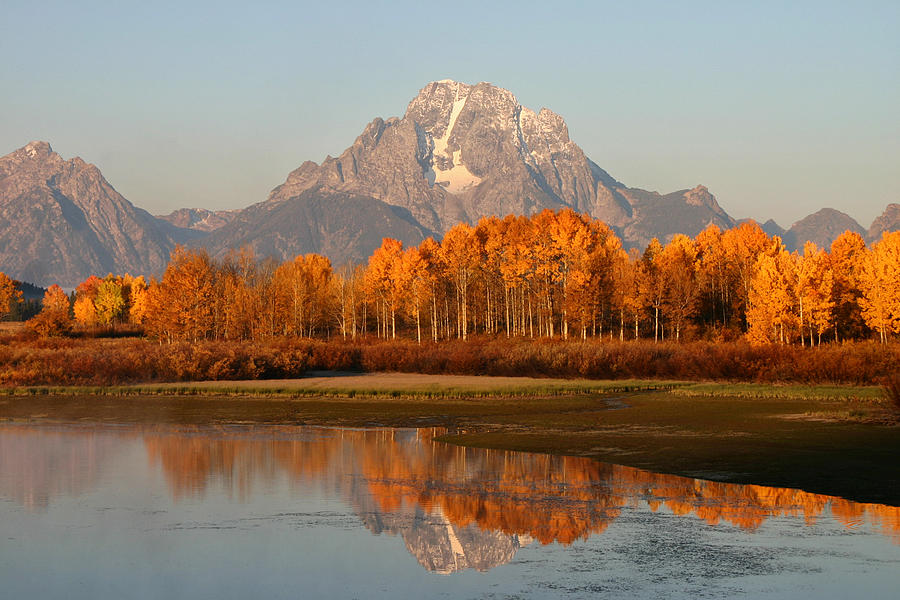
780,108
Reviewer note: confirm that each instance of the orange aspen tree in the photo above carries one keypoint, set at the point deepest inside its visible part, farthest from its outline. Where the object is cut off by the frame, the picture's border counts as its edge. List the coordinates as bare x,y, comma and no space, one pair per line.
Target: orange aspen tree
432,260
712,276
381,275
772,297
742,245
652,282
110,301
318,274
491,233
571,243
549,270
414,285
460,254
10,295
814,290
516,264
302,289
240,310
84,307
54,316
137,299
880,283
622,281
599,296
181,304
847,254
678,263
633,298
346,290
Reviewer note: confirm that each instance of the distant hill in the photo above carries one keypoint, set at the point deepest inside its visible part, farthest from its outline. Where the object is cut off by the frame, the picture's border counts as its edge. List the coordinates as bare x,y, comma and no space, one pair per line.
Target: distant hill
343,226
822,227
199,219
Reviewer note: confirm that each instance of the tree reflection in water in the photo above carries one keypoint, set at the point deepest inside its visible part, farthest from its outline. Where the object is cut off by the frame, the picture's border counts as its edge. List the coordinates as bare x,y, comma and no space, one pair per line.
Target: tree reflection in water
455,508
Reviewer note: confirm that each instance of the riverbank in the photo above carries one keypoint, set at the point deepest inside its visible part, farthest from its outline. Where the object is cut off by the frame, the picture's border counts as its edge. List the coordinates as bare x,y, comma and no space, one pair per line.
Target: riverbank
836,440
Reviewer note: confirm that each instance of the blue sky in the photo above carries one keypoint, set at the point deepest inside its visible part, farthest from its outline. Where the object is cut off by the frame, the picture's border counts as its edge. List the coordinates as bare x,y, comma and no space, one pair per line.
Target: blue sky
779,108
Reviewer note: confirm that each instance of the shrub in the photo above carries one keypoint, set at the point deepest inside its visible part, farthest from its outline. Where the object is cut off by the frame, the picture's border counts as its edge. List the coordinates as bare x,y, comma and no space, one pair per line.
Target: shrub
892,389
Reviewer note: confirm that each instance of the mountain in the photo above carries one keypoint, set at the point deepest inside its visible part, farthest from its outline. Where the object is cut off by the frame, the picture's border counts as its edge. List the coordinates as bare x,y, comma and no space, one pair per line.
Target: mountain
889,220
772,229
199,219
822,227
658,216
461,152
343,226
61,221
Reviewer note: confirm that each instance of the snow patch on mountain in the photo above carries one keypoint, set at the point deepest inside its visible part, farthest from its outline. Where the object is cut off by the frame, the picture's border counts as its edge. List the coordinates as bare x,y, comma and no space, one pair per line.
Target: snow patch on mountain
457,178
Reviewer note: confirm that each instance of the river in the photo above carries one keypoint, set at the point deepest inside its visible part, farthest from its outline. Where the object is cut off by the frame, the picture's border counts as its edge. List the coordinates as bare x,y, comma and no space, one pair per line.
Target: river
116,511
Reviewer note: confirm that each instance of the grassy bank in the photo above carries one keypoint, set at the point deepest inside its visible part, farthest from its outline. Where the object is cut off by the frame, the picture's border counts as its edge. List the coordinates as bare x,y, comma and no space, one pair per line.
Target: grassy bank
836,440
417,385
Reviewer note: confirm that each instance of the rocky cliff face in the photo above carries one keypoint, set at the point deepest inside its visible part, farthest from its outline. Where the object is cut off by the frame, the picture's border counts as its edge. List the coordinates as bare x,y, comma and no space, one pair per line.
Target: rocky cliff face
61,221
889,220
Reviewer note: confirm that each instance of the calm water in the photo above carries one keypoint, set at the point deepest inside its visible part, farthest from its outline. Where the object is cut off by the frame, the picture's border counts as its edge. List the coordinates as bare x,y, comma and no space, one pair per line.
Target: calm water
268,512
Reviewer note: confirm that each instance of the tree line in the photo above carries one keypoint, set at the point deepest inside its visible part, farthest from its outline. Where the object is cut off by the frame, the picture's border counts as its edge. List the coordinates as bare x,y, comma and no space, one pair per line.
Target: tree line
551,275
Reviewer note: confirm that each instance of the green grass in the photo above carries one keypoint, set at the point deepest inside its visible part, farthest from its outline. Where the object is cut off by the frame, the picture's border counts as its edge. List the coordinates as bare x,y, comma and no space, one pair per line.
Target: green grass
299,390
786,391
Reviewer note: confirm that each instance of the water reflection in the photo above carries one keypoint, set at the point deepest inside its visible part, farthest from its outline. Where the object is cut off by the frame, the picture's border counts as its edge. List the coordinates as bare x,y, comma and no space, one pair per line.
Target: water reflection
455,508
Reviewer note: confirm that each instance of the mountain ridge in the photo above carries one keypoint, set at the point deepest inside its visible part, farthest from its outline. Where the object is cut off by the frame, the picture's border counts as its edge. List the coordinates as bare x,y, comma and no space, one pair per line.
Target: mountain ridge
61,221
459,152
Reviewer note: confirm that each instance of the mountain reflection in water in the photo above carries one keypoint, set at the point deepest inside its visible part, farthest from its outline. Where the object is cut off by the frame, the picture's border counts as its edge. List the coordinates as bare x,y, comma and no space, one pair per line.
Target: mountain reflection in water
455,508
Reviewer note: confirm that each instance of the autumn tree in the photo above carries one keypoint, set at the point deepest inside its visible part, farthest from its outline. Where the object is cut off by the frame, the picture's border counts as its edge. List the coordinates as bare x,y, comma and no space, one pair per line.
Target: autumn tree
847,254
461,255
652,282
240,311
302,288
382,281
54,317
84,307
435,268
137,298
714,280
815,284
598,298
517,268
414,285
349,298
181,303
880,286
678,266
10,295
772,299
110,301
742,245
